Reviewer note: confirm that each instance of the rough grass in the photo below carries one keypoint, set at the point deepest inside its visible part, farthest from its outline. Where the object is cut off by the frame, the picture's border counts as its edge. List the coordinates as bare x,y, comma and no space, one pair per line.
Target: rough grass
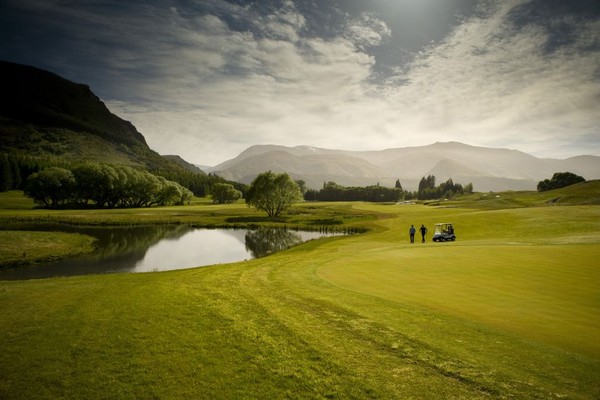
509,310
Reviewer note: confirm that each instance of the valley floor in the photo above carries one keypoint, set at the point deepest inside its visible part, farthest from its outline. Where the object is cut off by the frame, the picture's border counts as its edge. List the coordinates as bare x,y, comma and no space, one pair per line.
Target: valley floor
509,310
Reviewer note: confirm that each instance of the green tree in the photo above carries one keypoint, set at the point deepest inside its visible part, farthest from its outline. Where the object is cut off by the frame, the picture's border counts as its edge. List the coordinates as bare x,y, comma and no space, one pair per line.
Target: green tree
273,193
51,187
559,180
225,193
6,174
302,185
142,188
95,182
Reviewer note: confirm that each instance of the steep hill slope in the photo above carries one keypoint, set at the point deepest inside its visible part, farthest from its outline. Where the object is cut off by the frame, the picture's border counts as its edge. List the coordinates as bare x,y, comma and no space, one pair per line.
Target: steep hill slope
43,114
42,98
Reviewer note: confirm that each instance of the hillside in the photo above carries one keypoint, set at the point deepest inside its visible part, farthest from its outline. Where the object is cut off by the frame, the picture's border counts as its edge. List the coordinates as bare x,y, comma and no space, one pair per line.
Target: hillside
489,169
312,168
45,115
184,164
579,194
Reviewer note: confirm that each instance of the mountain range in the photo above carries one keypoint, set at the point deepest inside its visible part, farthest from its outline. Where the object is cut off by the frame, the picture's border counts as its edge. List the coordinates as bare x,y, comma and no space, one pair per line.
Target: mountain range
488,169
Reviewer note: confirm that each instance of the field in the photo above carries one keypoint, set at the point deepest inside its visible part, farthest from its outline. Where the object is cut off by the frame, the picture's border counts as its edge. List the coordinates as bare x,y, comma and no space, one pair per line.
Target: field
509,310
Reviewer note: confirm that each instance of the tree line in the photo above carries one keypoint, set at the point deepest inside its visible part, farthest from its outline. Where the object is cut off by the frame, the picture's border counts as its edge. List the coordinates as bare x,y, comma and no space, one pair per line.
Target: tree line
15,169
428,191
331,191
102,186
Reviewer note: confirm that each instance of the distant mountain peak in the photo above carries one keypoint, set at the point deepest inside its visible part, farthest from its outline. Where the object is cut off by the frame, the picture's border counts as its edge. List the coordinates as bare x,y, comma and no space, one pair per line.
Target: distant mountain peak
487,168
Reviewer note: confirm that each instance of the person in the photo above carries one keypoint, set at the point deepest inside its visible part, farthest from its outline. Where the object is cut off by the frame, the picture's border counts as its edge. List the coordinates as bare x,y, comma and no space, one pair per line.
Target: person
412,231
423,232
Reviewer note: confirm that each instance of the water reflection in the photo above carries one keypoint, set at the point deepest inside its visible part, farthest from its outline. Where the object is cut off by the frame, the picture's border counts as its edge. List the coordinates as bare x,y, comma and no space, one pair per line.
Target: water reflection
159,248
263,242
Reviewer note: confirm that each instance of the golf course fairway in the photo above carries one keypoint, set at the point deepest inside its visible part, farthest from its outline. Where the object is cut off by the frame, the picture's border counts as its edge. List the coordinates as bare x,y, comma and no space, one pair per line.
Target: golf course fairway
511,310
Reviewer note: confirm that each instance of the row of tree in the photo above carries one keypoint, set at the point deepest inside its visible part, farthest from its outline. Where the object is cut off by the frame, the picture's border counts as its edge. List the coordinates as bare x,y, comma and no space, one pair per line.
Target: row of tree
103,185
15,169
331,191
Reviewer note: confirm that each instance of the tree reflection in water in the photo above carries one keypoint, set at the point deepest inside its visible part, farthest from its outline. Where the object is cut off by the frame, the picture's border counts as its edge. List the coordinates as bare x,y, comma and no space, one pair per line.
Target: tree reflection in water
265,241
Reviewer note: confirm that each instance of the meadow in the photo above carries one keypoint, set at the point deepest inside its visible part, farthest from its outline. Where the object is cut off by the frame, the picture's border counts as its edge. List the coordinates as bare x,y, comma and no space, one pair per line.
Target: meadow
509,310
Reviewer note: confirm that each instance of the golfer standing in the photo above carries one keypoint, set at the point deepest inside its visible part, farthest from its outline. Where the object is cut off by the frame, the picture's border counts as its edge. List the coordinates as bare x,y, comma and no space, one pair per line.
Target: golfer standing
411,232
423,232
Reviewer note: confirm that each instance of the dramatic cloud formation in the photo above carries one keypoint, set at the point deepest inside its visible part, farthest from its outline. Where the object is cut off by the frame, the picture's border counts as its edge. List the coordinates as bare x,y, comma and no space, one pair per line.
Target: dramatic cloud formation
205,80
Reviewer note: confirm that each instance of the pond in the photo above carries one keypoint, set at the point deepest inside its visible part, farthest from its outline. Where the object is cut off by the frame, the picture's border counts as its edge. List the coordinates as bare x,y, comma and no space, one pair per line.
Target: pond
159,248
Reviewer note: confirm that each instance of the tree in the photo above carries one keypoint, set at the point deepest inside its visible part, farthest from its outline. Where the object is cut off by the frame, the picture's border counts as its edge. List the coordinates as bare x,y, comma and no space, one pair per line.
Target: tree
427,188
302,185
225,193
6,175
273,193
559,180
95,182
51,187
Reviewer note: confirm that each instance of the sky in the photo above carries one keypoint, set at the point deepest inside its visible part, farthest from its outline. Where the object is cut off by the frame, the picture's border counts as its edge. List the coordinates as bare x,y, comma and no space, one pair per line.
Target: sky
206,79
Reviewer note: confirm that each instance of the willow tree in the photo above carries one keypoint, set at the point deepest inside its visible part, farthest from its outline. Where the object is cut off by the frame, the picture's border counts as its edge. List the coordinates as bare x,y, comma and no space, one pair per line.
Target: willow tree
273,193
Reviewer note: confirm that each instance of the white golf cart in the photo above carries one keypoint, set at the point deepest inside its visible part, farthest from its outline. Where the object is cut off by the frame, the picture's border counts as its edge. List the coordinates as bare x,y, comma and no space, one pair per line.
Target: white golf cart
444,232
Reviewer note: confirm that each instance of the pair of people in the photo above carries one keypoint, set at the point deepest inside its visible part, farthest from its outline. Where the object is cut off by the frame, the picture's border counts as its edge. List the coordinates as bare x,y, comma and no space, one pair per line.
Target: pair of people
412,232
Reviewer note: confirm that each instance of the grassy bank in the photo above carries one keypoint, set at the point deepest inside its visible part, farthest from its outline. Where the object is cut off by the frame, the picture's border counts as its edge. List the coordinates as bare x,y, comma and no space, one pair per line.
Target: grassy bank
510,310
14,207
19,248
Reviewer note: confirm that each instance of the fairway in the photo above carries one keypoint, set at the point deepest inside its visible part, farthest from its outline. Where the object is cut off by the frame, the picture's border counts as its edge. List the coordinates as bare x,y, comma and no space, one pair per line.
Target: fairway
509,310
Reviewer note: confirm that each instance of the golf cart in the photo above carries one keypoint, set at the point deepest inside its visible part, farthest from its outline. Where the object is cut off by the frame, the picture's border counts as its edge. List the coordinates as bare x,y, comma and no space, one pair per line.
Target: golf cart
443,232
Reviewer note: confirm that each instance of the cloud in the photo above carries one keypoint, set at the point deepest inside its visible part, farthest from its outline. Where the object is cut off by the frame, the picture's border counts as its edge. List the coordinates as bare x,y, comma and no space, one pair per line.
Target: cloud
493,83
208,79
367,31
489,82
272,85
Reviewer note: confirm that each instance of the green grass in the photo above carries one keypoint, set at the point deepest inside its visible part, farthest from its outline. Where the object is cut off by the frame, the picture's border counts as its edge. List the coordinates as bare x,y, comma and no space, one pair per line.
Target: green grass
14,200
14,207
509,310
24,247
585,193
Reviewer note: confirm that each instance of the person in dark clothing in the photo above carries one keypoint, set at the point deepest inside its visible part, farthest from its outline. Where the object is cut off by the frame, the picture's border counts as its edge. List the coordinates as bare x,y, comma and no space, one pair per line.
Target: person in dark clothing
423,232
412,231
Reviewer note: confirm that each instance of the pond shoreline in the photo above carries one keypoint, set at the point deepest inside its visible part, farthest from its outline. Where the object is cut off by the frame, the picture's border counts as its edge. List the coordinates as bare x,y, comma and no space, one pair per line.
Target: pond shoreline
142,248
29,243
